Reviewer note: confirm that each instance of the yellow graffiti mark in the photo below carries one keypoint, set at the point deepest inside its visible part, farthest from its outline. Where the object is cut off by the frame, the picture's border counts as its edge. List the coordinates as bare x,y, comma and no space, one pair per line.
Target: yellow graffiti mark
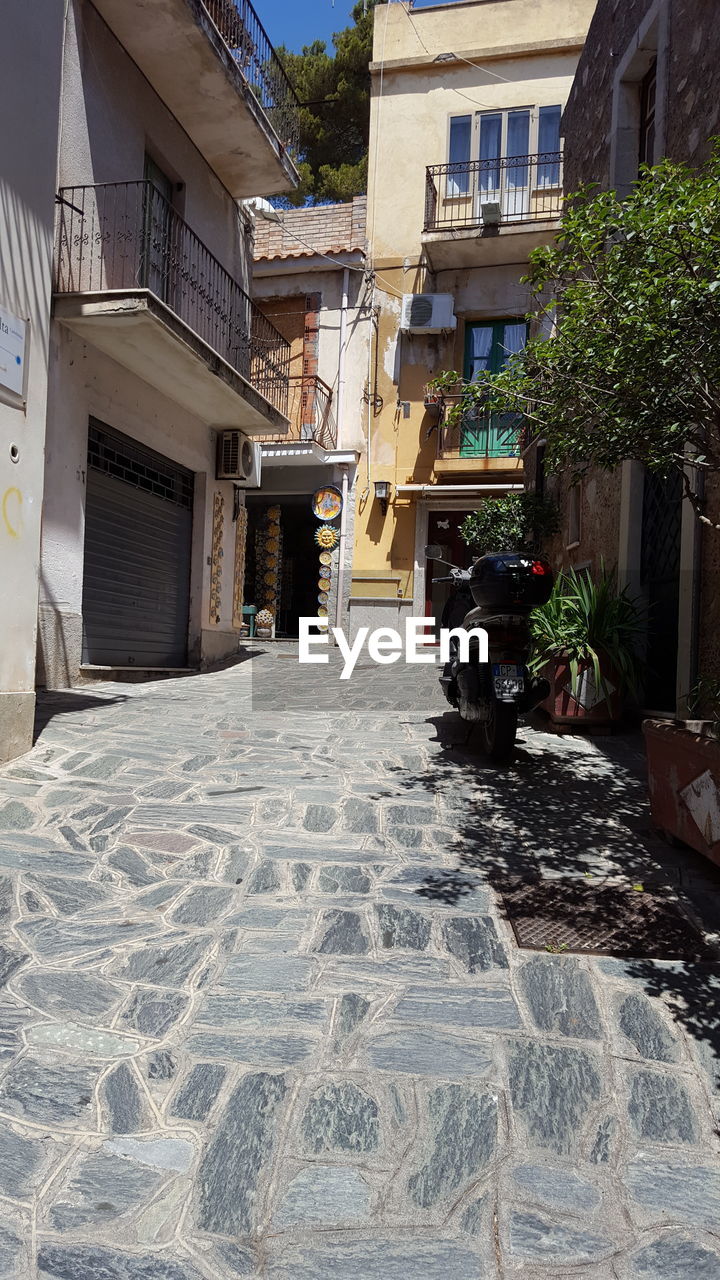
9,495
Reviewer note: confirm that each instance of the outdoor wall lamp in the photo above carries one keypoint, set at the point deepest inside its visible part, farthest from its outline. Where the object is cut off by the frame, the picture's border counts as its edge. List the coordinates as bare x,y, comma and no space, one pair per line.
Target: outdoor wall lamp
382,493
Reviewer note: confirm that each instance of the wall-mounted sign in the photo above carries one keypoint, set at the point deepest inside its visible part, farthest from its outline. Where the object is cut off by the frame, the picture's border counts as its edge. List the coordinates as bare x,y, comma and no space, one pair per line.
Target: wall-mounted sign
13,334
327,503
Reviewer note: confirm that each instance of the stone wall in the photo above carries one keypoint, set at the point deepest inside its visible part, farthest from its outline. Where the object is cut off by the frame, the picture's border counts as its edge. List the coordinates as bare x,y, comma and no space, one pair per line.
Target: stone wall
692,94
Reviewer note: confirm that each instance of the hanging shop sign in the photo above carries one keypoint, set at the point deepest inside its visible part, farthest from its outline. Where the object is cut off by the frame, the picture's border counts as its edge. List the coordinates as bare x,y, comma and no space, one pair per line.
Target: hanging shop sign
327,503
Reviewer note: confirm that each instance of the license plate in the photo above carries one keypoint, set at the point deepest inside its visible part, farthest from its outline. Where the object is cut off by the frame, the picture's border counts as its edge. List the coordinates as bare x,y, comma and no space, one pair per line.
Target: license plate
508,678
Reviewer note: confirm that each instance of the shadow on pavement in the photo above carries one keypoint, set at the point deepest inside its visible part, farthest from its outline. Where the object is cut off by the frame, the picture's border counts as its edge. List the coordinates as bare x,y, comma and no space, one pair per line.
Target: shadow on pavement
59,702
580,818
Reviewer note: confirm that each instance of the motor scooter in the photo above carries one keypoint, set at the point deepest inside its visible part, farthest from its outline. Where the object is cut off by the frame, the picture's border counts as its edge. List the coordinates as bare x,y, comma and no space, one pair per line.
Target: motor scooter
497,594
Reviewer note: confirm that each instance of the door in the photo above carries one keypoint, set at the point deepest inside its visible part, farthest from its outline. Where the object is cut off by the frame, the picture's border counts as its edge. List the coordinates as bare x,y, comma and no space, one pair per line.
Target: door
488,347
138,534
444,531
157,222
504,161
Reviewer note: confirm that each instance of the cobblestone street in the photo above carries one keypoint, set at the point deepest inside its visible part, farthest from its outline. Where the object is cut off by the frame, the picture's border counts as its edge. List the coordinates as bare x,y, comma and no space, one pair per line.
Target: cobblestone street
262,1015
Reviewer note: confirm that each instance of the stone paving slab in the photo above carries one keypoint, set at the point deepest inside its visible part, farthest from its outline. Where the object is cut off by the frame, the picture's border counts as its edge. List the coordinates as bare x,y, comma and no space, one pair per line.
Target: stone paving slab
261,1014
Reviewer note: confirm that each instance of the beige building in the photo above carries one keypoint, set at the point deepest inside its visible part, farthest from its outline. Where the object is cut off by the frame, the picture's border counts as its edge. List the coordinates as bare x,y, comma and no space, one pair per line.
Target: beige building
163,373
310,281
30,62
465,180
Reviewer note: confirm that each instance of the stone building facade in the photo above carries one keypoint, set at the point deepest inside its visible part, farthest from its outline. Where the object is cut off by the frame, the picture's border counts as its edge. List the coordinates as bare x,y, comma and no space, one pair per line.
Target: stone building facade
647,86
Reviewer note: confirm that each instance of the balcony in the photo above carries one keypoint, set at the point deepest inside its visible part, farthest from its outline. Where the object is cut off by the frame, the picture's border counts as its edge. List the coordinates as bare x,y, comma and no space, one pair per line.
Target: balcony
489,210
313,430
212,63
135,281
480,442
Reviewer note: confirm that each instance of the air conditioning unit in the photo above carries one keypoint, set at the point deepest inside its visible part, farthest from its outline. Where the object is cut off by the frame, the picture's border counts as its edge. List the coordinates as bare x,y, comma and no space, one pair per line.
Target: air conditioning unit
238,459
427,313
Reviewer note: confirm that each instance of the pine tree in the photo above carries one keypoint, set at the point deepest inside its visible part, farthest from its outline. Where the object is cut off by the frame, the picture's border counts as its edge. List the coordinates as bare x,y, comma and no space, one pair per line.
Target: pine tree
334,126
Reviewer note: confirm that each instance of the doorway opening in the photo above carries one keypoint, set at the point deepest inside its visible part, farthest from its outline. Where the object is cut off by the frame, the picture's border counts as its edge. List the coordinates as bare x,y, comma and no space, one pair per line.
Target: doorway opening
293,575
444,531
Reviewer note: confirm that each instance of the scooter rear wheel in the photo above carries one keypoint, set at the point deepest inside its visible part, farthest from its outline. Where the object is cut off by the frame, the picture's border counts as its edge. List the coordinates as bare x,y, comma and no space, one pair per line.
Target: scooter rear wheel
498,733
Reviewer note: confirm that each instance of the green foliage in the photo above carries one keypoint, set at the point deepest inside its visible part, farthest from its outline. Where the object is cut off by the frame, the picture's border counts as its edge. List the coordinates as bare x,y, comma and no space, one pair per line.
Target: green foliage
632,370
334,128
704,701
587,622
514,522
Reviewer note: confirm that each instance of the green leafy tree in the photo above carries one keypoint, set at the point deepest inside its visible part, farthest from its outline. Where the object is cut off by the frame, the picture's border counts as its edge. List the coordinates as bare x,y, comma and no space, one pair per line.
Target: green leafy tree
513,522
335,123
632,368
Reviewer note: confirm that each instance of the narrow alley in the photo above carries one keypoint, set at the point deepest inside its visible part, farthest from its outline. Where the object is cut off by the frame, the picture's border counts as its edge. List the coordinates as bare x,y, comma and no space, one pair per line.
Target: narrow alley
263,1014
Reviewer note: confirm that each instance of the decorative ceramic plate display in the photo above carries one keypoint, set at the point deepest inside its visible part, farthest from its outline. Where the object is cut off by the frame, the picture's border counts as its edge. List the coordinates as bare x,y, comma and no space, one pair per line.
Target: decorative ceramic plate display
322,597
327,537
322,611
324,584
325,557
327,503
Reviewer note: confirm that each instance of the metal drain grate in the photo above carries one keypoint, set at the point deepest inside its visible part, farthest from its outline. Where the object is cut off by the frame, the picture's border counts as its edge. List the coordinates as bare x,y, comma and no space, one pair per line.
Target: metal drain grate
571,915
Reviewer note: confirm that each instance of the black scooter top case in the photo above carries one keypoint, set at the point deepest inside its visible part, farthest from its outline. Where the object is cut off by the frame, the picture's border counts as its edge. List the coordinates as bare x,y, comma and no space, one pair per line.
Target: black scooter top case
509,581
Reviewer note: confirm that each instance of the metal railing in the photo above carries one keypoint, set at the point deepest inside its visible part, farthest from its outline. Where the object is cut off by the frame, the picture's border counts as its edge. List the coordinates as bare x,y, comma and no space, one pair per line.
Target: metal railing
311,413
249,44
123,236
527,189
481,435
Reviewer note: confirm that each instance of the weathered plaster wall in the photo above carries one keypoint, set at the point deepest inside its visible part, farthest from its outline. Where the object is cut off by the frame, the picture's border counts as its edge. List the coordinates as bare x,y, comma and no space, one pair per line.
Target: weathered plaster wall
283,295
30,61
112,116
86,383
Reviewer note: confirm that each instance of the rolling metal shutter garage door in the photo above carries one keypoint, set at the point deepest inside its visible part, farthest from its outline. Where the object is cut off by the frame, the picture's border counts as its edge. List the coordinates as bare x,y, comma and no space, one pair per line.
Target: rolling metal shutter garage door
138,531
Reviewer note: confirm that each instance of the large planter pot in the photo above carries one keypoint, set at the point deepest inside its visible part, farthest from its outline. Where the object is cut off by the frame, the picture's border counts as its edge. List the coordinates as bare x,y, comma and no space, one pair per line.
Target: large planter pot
684,781
589,707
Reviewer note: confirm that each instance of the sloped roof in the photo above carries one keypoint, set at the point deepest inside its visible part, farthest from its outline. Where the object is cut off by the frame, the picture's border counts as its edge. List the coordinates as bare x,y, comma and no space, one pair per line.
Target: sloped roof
328,228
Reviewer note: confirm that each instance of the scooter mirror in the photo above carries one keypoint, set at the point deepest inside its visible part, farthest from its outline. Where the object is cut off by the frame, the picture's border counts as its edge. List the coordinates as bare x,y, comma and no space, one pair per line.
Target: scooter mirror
433,551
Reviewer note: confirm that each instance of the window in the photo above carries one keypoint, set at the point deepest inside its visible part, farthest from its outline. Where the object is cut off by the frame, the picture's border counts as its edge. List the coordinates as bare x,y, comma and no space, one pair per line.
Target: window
492,156
460,148
548,174
504,136
488,347
648,101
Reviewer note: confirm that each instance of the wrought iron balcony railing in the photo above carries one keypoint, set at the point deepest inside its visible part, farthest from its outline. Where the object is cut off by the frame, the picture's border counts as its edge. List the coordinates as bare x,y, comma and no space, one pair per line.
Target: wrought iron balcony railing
311,414
249,44
125,236
481,435
526,189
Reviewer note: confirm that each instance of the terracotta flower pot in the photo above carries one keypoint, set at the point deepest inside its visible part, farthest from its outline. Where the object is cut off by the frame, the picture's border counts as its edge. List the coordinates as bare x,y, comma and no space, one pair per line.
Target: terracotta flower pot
684,781
588,706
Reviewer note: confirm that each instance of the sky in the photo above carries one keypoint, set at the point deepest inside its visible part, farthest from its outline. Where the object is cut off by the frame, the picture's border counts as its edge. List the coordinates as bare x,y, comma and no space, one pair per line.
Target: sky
298,22
295,23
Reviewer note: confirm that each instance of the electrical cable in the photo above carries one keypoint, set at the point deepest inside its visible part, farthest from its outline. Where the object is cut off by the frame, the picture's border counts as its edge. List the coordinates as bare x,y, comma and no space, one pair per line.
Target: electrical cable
459,58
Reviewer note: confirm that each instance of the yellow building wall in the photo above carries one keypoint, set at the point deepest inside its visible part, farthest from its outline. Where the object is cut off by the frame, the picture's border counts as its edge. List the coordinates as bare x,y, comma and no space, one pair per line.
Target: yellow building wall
523,54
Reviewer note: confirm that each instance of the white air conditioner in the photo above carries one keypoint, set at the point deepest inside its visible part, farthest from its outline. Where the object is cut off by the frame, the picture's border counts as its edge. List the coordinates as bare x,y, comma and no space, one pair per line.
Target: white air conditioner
427,313
238,459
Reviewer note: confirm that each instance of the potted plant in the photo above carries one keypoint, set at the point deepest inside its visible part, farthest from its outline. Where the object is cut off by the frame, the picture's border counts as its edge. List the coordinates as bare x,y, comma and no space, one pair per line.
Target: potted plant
684,773
446,388
585,643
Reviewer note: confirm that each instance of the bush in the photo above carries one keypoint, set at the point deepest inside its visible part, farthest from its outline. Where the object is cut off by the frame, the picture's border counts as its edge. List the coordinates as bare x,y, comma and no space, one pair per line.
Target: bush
513,522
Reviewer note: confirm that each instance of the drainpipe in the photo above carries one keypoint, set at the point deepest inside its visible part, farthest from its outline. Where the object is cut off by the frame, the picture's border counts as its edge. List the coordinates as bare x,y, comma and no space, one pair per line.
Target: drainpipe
341,559
341,352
